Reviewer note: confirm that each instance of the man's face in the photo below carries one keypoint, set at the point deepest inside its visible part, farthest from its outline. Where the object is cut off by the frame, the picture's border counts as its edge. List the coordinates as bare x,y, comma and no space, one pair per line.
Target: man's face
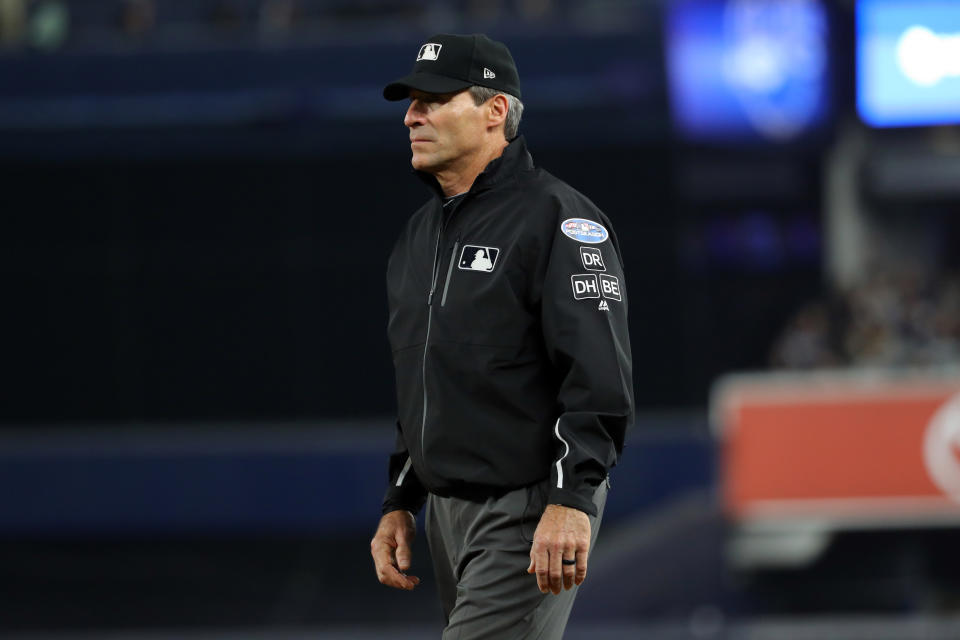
443,128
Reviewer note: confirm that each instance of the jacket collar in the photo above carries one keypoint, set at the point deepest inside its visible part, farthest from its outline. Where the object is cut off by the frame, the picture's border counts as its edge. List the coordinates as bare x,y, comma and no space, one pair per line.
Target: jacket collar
514,159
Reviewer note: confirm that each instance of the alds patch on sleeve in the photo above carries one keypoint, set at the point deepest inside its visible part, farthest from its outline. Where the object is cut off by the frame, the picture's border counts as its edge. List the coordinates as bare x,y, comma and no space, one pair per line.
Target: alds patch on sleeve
583,230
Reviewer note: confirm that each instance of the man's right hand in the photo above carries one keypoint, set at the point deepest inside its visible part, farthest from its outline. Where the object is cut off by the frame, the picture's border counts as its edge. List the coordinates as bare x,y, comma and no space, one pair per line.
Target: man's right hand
391,551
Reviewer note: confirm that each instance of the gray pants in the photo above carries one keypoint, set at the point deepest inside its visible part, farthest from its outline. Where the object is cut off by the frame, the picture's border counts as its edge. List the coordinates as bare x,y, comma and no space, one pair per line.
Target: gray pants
480,553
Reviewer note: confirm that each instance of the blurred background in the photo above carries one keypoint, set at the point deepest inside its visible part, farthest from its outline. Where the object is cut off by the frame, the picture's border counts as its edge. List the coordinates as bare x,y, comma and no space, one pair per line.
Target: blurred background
198,199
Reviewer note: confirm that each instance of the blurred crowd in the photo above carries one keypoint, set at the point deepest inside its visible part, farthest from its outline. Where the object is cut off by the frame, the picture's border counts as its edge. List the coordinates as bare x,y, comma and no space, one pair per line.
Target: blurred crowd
890,319
50,25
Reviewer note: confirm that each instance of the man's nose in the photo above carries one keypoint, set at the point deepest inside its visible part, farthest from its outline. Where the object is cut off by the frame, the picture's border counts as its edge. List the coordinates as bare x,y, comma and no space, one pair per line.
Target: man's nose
414,115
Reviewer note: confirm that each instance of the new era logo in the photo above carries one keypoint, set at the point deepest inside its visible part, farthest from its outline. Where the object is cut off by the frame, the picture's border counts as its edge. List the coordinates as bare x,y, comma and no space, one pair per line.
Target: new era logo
429,51
488,74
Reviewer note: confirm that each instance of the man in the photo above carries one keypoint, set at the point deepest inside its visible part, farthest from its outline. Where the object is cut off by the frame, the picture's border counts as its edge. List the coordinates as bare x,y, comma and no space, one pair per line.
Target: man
508,325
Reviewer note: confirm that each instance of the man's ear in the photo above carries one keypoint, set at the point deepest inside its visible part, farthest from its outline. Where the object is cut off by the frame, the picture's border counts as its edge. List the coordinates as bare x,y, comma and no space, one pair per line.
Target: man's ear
497,108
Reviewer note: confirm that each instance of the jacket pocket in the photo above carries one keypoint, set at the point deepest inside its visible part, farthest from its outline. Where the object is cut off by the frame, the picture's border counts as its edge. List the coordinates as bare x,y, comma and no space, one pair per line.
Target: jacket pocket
536,503
446,283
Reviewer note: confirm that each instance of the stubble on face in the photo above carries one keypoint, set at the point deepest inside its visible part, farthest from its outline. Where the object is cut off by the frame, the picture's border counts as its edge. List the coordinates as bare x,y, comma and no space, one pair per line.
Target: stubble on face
445,129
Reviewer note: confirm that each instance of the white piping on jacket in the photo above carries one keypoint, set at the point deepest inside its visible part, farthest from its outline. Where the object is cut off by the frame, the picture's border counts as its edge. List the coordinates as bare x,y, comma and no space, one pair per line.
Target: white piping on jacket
403,474
556,430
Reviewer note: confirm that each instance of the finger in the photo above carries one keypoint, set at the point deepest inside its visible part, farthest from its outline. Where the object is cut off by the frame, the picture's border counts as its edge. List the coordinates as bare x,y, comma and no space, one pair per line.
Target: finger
568,575
556,569
391,577
581,573
407,582
382,554
403,553
541,567
531,565
387,571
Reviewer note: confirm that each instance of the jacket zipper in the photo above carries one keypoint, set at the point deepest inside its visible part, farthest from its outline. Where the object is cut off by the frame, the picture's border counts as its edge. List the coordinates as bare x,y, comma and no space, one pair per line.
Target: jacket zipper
426,342
446,285
433,287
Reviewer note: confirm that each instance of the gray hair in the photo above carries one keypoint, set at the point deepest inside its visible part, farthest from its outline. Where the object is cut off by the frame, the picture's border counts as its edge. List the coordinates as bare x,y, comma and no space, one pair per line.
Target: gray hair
514,108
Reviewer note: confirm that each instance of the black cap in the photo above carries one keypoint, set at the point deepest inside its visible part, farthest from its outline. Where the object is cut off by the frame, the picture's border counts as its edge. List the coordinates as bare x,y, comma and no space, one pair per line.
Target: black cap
449,62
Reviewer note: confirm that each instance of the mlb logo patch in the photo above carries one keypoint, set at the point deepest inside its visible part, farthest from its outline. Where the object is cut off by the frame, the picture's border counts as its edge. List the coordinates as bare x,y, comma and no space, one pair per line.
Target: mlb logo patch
429,51
478,258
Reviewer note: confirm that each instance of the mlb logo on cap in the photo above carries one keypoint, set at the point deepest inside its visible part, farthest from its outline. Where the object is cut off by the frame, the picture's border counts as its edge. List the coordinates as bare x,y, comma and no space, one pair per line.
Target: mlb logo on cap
429,51
467,60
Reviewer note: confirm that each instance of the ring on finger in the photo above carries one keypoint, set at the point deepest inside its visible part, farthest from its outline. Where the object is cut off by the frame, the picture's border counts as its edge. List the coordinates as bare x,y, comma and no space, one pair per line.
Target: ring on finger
571,561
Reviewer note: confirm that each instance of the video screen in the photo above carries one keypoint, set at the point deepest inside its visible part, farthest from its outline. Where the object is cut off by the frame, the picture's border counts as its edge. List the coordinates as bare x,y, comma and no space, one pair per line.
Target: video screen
908,62
747,69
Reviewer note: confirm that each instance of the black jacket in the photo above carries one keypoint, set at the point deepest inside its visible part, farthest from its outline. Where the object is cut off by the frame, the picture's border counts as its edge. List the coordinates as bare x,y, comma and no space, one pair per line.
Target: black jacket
508,325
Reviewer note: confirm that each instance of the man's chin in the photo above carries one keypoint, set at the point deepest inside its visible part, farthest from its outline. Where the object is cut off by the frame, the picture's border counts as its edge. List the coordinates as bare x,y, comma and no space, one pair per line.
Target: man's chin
421,164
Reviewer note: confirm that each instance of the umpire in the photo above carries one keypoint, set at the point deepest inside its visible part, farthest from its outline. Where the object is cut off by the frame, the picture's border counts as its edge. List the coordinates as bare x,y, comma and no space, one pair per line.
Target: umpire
508,325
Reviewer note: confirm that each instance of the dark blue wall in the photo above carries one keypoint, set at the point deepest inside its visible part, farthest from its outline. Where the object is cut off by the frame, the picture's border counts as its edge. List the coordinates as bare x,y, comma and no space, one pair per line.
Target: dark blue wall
293,480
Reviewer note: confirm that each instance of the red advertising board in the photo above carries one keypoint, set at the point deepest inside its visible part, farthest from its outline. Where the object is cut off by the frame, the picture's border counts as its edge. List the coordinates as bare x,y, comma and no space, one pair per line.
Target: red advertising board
866,449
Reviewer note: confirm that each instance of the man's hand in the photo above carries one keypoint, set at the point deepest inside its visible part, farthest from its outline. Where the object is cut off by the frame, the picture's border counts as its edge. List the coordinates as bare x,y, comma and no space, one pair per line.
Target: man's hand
563,533
391,552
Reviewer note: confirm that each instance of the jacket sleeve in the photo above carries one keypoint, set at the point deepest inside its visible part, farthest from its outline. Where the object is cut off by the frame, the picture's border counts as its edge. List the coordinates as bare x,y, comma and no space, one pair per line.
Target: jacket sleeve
405,490
584,320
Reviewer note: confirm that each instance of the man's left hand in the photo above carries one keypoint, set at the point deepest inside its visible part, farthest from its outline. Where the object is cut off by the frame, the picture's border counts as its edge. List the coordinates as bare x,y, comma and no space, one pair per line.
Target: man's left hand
563,533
